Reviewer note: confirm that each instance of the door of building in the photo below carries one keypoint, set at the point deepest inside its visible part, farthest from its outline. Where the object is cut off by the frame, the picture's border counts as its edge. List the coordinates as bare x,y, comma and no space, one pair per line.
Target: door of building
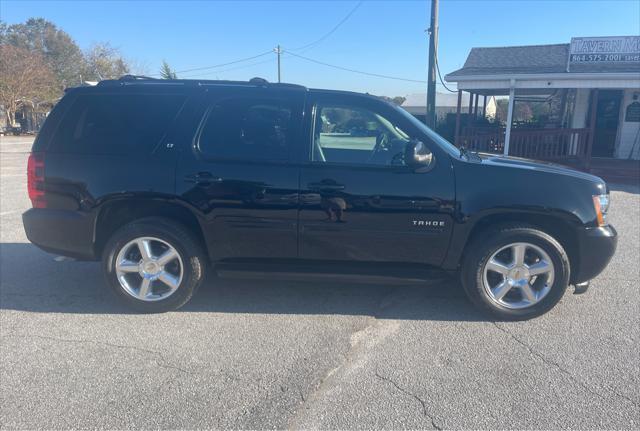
607,119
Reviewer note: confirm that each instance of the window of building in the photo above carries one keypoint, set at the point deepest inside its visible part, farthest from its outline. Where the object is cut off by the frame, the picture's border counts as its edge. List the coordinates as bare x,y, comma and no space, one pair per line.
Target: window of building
116,124
248,129
356,135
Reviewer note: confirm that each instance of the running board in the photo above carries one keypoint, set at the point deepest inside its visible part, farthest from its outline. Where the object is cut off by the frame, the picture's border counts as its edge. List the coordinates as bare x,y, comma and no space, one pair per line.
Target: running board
294,272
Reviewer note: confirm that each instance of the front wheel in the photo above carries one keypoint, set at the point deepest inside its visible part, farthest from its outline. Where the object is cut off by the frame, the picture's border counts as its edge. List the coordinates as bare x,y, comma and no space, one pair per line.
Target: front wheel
515,272
153,265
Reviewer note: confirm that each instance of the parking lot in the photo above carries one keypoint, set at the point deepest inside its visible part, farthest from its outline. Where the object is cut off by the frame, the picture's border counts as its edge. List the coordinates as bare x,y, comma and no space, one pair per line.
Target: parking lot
273,354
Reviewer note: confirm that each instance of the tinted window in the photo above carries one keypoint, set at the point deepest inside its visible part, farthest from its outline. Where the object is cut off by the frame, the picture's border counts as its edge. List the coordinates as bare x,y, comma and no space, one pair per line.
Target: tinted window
357,136
248,129
116,124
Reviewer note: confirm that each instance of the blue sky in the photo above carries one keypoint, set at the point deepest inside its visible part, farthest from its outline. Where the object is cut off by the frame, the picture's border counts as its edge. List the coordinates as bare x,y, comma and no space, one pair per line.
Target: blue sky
384,37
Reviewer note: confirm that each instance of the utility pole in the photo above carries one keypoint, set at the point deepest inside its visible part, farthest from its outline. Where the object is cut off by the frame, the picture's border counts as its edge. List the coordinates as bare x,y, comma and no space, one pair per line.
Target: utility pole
431,82
278,51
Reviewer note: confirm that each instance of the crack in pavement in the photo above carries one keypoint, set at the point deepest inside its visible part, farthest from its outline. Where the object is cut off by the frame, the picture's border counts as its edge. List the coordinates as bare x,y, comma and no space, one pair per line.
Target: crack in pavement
361,342
160,360
562,370
425,412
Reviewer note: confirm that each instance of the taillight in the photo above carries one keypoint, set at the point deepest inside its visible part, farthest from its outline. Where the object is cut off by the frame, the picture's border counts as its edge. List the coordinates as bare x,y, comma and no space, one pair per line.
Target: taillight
35,180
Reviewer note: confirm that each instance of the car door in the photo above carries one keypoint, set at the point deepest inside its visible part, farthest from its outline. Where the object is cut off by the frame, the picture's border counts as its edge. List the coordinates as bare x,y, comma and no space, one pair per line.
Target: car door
358,200
237,171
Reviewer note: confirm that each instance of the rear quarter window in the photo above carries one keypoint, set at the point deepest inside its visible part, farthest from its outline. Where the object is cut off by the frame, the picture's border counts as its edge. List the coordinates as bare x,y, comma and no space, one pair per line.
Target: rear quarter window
116,124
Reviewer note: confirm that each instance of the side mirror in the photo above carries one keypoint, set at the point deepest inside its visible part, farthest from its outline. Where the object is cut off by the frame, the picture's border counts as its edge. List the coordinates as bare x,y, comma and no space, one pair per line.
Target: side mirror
417,156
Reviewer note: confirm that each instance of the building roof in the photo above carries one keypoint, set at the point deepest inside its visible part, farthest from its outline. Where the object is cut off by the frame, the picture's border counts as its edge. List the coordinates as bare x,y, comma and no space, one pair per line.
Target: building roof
532,59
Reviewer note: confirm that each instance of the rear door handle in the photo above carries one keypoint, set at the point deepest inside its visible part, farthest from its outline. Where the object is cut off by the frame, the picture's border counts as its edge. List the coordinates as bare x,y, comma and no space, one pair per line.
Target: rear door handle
325,186
202,178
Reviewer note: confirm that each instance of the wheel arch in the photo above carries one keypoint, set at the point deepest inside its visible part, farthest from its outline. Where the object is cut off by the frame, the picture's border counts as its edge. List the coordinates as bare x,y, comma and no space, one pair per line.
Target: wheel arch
115,213
559,226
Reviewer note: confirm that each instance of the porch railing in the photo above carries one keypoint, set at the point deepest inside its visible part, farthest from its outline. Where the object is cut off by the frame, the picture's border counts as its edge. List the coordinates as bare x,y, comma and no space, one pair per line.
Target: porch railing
541,144
486,140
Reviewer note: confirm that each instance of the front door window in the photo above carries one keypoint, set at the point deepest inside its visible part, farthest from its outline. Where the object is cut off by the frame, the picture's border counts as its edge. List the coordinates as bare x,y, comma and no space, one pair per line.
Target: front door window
354,135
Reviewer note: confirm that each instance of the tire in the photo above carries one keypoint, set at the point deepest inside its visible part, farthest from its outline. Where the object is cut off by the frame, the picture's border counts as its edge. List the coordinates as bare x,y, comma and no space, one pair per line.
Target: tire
171,284
489,270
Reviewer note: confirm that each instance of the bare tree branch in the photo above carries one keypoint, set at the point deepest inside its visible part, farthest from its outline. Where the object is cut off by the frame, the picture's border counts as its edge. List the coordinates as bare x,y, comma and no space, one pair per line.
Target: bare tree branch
25,78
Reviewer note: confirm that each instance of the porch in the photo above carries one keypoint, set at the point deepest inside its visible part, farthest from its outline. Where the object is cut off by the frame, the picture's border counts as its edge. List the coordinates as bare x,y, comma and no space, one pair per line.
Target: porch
591,146
551,107
551,138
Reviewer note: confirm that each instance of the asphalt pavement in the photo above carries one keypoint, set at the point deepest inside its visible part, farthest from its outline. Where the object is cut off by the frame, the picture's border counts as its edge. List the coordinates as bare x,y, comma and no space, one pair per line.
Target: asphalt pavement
272,354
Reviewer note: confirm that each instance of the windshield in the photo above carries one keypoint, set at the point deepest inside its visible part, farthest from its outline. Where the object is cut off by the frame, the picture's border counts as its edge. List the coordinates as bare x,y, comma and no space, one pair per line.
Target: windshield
443,143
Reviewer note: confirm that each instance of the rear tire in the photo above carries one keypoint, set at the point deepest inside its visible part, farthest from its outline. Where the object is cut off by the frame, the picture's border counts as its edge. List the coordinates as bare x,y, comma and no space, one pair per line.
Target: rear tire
154,265
515,272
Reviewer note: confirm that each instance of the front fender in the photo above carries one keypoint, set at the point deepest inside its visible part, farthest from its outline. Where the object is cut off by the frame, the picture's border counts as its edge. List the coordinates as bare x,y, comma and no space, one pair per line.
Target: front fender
488,194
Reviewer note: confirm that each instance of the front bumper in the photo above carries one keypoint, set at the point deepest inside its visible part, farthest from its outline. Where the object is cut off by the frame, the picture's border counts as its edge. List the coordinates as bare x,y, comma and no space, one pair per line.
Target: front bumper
68,233
596,247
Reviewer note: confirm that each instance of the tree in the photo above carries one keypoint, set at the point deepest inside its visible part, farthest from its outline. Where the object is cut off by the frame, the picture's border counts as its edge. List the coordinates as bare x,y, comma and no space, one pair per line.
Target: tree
61,53
166,72
25,78
523,111
57,48
102,61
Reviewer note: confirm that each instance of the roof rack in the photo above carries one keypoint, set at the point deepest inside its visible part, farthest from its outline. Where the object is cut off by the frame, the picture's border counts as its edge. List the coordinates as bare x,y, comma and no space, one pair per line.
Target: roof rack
144,80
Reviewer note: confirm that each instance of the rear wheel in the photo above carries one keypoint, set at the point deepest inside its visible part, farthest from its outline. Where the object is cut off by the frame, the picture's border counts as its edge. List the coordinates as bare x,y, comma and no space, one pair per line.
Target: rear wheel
515,273
154,264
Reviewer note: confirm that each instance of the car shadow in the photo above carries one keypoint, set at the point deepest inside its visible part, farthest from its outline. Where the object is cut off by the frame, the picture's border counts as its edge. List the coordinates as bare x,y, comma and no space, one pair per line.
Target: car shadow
34,281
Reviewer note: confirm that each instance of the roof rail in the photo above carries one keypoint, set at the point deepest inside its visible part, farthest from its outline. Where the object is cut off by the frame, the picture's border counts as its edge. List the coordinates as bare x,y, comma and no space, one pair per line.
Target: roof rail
134,77
144,80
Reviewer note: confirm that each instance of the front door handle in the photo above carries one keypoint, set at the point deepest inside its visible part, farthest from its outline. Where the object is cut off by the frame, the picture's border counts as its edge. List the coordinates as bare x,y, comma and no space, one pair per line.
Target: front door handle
202,178
325,186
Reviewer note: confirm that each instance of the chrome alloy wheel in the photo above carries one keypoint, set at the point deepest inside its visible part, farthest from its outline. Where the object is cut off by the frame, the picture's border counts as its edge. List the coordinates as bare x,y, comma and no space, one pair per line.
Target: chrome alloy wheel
149,269
518,275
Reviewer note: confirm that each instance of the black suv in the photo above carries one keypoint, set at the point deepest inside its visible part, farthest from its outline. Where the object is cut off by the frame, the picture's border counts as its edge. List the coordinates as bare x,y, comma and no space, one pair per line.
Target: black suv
163,179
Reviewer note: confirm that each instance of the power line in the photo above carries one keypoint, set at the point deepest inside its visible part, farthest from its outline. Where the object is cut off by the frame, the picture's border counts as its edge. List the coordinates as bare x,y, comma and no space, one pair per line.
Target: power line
336,27
285,53
354,70
440,76
244,66
222,64
226,64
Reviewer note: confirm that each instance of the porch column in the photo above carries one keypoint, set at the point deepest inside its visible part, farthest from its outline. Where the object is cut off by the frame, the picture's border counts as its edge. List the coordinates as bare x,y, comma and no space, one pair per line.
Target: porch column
470,109
507,133
475,108
457,134
592,128
484,107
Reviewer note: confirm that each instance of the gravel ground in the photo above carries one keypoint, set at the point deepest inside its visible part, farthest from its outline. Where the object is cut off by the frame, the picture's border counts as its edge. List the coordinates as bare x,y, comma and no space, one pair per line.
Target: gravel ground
266,354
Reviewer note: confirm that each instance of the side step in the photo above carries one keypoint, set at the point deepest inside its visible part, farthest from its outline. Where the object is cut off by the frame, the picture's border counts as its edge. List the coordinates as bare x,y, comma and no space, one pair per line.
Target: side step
355,274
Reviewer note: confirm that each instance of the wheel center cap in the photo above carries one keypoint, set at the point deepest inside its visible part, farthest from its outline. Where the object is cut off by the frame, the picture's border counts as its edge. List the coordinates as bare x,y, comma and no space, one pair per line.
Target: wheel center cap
519,273
149,268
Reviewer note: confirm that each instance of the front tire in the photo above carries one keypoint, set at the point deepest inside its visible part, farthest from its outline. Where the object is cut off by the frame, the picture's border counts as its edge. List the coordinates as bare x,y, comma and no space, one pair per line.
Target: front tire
515,272
153,265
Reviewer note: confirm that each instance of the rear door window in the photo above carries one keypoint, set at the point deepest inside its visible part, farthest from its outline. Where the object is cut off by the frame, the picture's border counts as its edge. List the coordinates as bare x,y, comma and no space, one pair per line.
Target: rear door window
246,128
117,124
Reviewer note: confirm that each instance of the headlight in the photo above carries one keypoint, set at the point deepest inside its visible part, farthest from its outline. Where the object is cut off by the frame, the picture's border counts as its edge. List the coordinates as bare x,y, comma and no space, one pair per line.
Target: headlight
601,205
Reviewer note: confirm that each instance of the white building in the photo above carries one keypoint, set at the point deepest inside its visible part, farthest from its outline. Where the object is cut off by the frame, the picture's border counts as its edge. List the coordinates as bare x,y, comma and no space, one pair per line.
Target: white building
446,103
595,81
